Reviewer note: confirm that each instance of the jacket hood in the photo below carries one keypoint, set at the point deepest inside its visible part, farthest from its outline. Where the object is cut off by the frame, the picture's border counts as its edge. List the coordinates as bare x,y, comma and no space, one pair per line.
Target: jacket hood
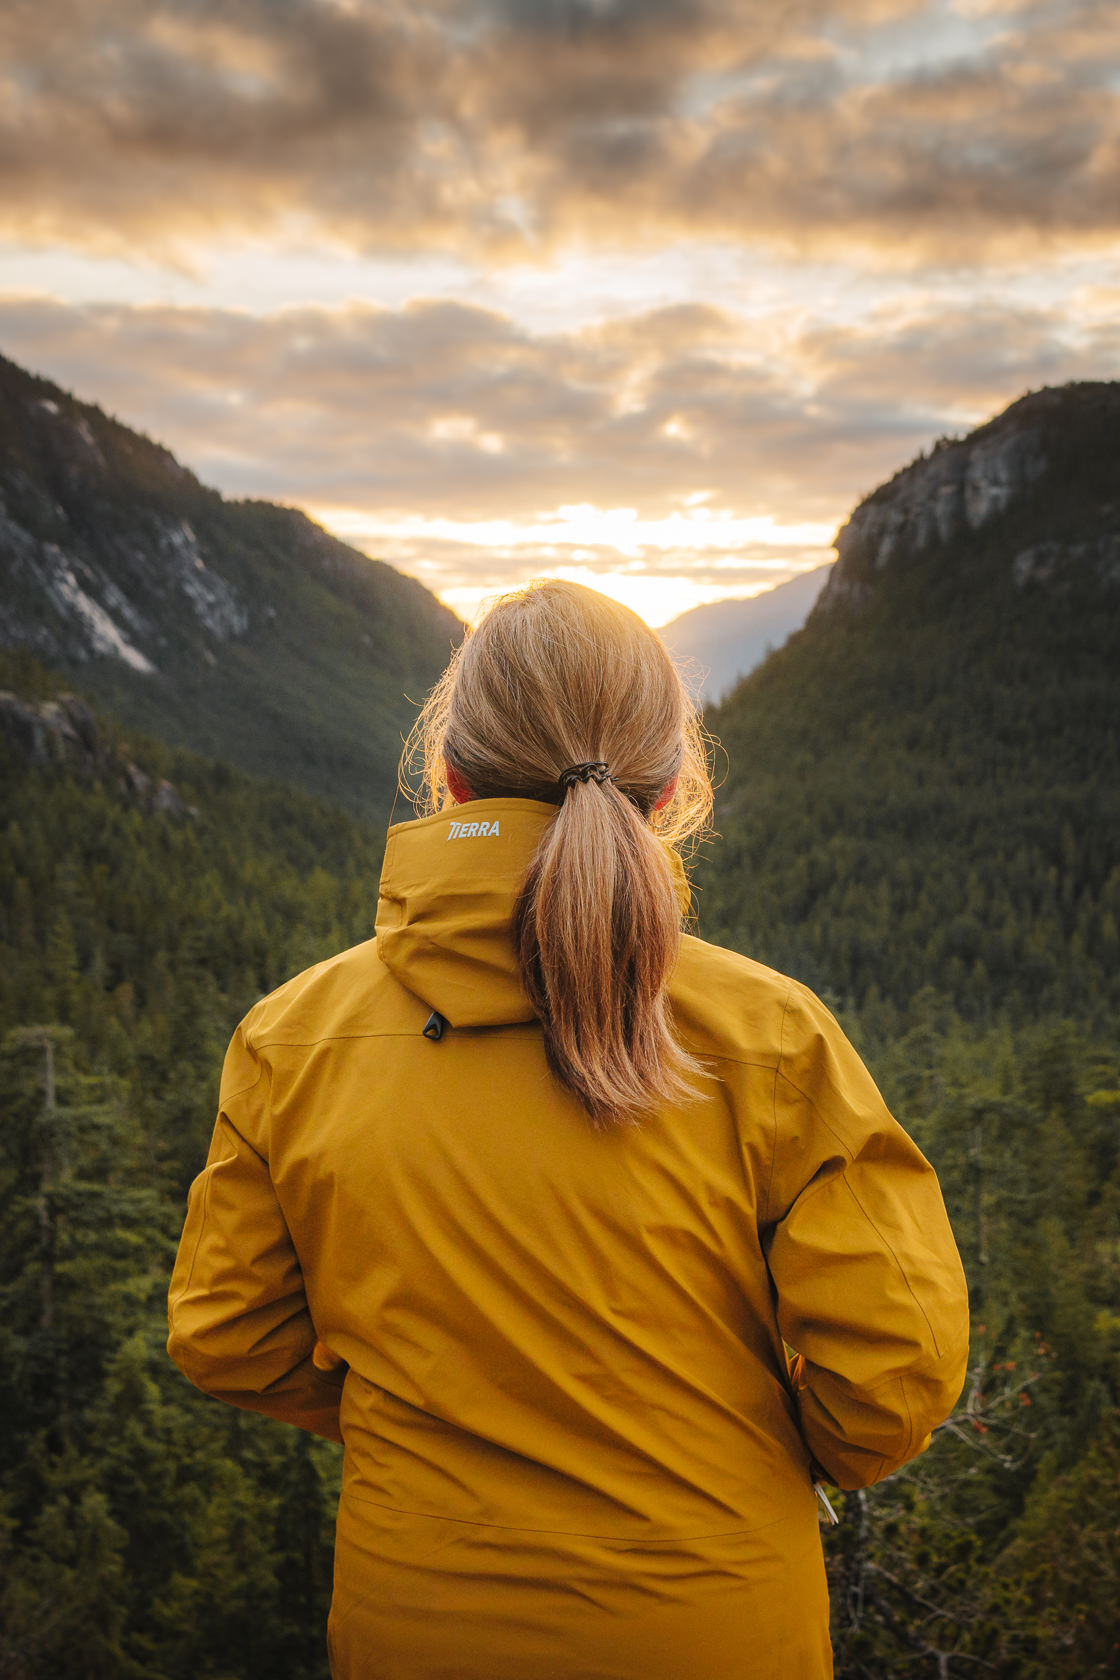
445,910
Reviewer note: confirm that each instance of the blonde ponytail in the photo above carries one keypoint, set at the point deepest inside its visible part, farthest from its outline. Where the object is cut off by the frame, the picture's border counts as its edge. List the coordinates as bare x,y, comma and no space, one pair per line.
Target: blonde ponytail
557,675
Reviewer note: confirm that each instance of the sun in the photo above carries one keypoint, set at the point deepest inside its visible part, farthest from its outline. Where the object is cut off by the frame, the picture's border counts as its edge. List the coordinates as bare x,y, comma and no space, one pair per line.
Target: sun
659,567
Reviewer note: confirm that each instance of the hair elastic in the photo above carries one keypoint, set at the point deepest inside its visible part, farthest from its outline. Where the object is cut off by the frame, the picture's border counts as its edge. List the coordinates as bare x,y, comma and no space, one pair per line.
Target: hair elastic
596,771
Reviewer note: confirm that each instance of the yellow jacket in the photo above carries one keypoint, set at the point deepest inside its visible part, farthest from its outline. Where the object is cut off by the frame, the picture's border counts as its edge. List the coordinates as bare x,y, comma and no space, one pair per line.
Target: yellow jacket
570,1420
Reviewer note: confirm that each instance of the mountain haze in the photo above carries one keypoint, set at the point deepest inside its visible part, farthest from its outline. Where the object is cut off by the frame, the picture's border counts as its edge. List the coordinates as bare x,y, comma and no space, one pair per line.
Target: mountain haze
726,640
238,628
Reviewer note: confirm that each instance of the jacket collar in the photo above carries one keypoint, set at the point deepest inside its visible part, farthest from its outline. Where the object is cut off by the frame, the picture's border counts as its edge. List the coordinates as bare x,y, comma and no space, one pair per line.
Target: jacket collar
448,886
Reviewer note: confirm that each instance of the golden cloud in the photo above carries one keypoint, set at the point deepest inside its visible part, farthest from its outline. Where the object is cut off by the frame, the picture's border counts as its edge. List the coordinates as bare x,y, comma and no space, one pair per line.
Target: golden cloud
448,411
511,126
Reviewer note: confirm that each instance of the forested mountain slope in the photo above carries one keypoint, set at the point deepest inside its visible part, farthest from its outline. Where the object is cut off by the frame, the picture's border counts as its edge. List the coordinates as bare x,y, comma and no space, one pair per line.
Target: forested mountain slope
923,785
238,628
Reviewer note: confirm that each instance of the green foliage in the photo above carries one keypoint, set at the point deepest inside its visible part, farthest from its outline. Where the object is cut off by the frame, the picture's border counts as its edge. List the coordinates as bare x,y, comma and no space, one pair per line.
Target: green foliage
150,933
915,800
937,1571
1056,1588
145,1532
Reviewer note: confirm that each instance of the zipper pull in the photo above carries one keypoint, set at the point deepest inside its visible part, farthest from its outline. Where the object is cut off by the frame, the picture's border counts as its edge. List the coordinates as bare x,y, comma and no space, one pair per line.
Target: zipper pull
434,1025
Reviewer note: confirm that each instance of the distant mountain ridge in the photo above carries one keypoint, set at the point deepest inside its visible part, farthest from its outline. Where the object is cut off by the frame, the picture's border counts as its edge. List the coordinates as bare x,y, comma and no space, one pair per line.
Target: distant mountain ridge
238,628
726,640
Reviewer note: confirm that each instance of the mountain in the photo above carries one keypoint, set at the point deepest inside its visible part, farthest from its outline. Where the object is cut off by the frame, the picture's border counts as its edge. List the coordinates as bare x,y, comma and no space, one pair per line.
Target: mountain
725,640
1040,484
920,819
923,785
238,628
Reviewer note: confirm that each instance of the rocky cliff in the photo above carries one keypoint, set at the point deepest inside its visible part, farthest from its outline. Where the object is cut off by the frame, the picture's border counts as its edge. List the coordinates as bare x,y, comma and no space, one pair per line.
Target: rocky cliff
65,731
969,486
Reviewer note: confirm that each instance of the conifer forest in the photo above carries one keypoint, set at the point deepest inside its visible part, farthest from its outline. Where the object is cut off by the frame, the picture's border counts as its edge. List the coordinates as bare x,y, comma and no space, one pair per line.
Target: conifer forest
918,816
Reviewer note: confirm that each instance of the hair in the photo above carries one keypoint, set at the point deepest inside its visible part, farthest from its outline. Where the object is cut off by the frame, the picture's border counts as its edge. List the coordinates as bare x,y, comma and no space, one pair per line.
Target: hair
556,675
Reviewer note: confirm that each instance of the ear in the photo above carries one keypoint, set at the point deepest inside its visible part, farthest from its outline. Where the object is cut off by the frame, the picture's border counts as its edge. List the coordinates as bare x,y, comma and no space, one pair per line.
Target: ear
456,786
666,794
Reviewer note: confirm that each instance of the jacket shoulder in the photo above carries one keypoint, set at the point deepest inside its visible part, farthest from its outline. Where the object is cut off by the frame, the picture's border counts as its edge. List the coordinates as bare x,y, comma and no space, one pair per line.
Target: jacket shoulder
728,1005
349,995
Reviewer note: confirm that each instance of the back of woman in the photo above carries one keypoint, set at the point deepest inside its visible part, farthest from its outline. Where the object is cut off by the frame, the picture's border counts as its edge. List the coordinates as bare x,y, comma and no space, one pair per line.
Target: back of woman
525,1198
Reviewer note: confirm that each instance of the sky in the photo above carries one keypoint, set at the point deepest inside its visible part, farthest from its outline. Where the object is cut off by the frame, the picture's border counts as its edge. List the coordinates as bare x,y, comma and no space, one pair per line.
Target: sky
645,293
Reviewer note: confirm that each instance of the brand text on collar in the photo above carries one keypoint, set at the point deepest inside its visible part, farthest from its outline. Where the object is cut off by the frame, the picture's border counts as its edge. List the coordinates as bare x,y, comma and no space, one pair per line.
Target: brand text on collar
470,831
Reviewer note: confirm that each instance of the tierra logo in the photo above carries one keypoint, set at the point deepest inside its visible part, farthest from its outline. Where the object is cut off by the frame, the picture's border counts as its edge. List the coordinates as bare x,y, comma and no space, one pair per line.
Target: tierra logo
467,831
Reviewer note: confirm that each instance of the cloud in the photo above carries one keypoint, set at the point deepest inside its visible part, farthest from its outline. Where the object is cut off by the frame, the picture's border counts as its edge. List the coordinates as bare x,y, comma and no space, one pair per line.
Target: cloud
671,455
968,362
450,428
440,407
509,127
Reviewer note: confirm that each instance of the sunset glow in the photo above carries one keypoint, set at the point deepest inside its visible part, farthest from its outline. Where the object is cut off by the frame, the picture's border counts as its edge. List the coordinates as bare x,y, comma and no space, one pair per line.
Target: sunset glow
577,543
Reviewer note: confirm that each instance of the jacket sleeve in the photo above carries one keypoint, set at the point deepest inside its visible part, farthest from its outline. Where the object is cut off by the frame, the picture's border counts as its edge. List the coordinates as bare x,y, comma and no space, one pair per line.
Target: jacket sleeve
240,1326
871,1295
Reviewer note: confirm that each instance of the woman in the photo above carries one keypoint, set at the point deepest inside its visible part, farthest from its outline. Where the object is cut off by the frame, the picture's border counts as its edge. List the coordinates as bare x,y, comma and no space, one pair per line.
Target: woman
524,1199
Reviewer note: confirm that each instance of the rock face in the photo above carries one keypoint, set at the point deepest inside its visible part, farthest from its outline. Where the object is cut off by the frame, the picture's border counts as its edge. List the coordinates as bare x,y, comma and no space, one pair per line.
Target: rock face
1045,561
74,591
66,731
238,628
943,500
78,590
